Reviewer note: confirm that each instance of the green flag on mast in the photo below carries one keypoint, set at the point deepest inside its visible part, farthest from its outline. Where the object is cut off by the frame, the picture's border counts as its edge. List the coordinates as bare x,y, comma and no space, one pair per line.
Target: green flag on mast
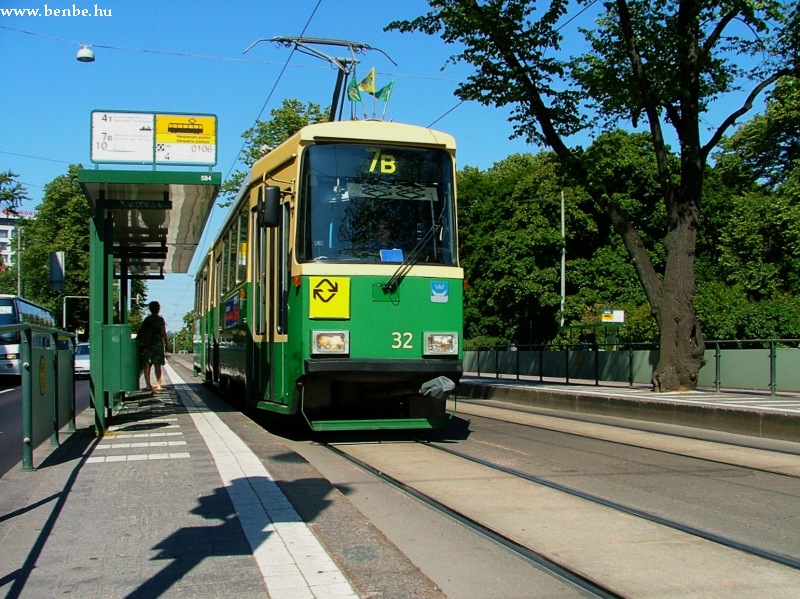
383,93
352,91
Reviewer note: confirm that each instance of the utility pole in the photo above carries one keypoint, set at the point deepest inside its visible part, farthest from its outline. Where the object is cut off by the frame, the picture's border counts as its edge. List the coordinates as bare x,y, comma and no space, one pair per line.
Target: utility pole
563,258
19,261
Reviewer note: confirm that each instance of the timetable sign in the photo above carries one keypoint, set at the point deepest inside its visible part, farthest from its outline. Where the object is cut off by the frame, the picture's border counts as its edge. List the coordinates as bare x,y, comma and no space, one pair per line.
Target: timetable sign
154,138
122,136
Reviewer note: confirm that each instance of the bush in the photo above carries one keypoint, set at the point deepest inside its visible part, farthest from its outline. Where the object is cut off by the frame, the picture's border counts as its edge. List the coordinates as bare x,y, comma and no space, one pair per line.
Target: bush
483,343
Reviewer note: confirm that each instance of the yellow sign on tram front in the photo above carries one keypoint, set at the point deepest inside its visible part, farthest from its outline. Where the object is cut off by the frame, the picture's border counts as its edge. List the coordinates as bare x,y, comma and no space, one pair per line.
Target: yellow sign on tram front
330,297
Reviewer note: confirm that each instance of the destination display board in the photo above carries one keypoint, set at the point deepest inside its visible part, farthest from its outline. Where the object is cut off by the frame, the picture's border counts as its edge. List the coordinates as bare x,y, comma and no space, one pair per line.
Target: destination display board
153,138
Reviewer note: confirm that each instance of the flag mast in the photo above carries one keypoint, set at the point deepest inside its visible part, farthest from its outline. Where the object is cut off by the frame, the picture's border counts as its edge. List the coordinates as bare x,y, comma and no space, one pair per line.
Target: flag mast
345,66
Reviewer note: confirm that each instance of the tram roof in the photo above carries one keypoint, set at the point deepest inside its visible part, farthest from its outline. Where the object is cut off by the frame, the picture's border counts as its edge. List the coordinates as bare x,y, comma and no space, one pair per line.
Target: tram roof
374,130
351,131
158,216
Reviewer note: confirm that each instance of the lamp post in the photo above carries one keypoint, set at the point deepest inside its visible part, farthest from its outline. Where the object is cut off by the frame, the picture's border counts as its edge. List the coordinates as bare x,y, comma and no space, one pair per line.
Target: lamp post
19,260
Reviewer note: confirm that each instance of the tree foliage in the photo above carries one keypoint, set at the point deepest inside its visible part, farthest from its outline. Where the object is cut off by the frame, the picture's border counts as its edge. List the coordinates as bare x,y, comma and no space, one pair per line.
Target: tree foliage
767,148
61,224
12,193
661,64
287,120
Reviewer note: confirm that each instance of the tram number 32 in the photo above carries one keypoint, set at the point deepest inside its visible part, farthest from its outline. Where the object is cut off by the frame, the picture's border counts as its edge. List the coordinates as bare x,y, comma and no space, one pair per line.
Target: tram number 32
402,340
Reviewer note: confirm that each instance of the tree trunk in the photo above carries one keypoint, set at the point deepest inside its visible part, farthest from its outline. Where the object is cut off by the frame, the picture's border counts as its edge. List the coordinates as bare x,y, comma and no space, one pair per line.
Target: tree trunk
682,344
671,297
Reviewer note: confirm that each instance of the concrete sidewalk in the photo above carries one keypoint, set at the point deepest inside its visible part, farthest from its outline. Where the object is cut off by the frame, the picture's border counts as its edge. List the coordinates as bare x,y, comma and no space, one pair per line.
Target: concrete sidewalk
185,497
728,411
170,503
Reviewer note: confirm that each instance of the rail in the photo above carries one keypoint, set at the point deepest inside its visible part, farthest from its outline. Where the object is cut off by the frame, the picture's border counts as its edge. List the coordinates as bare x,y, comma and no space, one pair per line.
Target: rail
737,363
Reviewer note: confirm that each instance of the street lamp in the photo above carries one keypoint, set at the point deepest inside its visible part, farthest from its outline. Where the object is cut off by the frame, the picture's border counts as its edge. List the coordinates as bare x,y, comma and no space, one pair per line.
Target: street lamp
85,54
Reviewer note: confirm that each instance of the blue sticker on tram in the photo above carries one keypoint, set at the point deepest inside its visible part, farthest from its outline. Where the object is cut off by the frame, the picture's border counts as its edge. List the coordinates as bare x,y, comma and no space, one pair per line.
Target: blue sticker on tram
440,292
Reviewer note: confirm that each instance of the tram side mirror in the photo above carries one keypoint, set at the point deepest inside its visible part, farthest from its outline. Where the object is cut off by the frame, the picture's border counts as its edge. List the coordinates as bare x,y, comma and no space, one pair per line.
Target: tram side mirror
269,206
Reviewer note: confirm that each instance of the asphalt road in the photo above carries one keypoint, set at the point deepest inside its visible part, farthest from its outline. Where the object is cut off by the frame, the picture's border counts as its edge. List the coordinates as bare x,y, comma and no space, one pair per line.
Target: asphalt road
11,419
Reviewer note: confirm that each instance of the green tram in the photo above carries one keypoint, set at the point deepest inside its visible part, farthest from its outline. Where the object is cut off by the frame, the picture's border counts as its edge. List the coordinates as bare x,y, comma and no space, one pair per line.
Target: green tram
334,289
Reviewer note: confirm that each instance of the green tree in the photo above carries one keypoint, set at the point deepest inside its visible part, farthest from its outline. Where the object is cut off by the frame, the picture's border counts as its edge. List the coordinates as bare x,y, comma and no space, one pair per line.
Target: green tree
750,233
766,148
510,249
61,224
265,135
12,193
662,64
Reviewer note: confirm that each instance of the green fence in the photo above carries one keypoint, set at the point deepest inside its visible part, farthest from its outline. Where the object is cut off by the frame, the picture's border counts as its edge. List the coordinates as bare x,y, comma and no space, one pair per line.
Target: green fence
760,364
48,389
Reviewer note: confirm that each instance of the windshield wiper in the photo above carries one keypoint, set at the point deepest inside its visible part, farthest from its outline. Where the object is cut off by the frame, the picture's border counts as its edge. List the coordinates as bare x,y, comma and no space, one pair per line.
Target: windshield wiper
408,263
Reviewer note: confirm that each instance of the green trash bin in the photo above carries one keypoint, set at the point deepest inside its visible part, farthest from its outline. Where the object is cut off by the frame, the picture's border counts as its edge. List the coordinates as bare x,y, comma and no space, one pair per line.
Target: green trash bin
120,359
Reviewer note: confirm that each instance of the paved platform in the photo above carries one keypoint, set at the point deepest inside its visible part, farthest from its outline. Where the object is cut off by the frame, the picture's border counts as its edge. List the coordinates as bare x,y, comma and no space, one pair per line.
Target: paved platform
751,413
187,498
172,502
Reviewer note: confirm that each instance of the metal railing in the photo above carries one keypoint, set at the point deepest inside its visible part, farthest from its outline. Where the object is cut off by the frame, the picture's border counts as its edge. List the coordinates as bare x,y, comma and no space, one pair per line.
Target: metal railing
754,364
48,388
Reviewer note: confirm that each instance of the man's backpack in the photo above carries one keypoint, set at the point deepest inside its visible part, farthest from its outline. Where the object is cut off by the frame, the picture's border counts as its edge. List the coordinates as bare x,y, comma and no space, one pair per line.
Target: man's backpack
145,335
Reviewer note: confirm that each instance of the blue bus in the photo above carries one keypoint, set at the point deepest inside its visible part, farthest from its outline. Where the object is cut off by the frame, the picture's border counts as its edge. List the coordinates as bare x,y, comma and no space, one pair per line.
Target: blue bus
18,310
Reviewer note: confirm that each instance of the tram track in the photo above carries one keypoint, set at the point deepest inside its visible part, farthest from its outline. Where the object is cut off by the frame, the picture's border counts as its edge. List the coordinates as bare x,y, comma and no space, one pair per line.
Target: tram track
582,568
661,521
564,573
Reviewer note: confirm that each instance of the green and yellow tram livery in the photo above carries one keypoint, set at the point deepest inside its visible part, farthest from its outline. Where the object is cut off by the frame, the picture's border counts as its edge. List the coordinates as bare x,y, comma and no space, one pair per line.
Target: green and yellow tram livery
334,288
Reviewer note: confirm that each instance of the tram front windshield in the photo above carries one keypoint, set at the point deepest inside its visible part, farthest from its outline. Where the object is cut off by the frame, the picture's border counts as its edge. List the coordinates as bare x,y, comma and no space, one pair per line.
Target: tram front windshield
373,203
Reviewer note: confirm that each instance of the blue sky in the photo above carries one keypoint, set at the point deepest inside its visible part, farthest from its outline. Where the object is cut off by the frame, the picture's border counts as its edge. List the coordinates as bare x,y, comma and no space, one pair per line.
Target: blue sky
187,57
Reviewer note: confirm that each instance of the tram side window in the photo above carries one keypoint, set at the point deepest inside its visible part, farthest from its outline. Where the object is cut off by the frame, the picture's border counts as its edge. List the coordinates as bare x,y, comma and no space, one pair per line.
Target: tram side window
230,275
241,263
222,266
217,282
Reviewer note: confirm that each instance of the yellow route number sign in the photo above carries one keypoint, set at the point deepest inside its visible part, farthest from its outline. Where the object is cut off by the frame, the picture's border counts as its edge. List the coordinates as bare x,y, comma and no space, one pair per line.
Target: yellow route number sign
330,297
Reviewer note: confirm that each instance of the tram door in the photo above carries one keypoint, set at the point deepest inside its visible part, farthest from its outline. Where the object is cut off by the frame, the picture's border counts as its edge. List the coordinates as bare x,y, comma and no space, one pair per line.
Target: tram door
270,313
261,349
216,327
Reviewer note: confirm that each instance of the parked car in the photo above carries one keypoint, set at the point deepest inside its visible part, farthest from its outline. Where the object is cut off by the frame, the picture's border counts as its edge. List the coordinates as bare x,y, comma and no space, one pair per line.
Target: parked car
82,360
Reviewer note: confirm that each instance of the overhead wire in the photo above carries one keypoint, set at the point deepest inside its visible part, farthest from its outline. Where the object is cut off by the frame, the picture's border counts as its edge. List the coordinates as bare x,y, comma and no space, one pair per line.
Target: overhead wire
274,87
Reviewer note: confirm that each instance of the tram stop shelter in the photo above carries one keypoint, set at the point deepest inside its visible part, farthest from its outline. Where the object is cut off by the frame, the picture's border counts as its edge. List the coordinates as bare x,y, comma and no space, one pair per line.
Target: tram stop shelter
145,224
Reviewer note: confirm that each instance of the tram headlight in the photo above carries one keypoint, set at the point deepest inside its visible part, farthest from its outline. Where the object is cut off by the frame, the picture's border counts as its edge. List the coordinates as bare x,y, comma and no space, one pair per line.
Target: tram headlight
10,357
441,344
330,342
